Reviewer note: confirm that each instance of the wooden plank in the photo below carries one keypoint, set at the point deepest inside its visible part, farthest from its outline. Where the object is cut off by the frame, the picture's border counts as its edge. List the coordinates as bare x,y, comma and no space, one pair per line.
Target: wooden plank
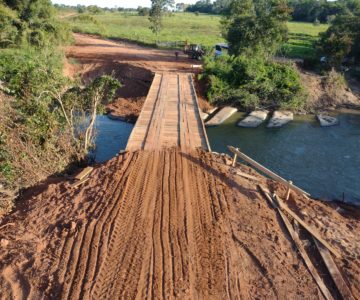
202,121
77,183
266,171
295,237
84,173
334,271
247,176
314,232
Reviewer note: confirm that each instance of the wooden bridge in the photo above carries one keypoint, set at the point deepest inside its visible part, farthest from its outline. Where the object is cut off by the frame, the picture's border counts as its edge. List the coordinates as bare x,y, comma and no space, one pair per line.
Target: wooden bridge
170,116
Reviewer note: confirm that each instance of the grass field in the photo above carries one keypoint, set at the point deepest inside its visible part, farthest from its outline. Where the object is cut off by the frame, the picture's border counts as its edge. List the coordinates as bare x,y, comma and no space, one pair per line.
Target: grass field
203,29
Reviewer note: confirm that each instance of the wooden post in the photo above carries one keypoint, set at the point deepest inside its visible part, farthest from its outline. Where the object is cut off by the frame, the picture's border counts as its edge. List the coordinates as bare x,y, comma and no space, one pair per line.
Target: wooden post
235,158
288,192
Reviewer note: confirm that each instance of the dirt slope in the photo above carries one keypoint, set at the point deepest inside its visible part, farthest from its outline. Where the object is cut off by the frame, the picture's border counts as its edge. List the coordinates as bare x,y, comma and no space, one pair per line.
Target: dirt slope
163,224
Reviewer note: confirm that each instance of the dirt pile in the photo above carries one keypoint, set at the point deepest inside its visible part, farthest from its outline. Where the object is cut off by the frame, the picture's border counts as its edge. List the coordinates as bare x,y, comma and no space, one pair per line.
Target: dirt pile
164,224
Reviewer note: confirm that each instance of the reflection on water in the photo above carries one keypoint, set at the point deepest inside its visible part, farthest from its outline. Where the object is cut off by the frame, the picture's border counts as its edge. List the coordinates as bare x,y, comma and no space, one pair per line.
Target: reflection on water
112,136
323,161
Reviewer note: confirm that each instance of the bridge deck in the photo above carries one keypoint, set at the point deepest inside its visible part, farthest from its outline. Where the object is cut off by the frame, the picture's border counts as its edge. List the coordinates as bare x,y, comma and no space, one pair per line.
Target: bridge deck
170,116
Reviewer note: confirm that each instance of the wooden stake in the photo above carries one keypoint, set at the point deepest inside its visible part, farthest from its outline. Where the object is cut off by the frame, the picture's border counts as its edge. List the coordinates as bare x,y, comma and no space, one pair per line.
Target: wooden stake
234,160
288,192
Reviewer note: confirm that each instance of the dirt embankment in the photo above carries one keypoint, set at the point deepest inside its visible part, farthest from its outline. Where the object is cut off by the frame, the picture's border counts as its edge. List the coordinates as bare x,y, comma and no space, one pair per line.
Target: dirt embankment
164,224
133,65
330,91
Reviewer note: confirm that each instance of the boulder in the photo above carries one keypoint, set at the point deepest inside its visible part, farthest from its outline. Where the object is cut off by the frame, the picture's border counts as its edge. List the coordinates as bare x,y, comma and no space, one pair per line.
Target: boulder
221,116
254,119
280,118
326,120
203,115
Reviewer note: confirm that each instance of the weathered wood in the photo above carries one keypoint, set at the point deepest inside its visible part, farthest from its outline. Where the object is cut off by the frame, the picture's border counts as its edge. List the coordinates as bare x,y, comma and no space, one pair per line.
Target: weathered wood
78,183
234,160
295,237
84,173
242,174
170,116
288,192
266,170
334,271
314,232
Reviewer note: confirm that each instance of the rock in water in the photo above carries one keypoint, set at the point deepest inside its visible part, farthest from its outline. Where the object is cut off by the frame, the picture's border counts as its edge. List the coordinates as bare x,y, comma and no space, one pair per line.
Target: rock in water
326,121
254,119
280,118
222,115
203,115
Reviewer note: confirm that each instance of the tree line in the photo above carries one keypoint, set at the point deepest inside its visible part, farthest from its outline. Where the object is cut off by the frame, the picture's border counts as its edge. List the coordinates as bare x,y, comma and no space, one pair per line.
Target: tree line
300,10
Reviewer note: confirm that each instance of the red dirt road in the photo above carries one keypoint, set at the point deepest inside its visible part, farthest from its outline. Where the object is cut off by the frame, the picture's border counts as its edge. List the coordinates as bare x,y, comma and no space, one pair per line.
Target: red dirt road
132,65
164,224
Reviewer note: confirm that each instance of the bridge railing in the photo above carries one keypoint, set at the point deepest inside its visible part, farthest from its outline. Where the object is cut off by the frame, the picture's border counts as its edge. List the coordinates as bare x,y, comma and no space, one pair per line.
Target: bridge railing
290,186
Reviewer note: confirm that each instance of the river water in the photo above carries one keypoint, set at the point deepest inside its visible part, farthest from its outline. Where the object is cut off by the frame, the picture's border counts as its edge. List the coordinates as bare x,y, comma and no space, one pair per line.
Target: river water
111,137
323,161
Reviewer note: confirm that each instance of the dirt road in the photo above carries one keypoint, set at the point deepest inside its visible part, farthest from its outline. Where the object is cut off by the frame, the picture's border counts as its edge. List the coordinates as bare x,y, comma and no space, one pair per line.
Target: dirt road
165,224
132,65
162,224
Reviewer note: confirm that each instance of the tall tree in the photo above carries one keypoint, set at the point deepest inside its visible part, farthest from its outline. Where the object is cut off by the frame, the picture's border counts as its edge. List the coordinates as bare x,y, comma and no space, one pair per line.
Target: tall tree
256,26
156,14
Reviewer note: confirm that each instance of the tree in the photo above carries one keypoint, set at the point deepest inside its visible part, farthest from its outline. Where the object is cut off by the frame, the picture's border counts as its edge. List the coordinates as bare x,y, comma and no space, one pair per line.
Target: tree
342,39
156,14
143,11
256,26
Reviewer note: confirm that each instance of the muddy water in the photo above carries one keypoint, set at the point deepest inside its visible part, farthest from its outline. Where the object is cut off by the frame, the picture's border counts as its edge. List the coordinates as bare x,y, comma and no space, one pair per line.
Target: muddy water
112,136
323,161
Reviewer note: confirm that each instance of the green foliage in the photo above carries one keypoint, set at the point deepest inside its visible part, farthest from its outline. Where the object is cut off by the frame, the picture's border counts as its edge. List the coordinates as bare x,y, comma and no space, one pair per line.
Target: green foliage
251,82
256,26
323,11
143,11
156,14
94,9
342,39
31,22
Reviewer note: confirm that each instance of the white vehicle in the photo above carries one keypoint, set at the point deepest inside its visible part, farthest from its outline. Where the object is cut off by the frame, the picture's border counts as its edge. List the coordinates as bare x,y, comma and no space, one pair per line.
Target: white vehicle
220,49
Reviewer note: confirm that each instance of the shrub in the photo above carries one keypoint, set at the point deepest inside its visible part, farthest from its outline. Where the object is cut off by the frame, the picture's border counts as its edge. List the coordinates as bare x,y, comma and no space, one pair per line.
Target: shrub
251,82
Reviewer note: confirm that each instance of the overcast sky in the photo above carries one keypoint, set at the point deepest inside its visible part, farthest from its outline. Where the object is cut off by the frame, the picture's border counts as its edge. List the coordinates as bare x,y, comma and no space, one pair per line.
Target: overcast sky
113,3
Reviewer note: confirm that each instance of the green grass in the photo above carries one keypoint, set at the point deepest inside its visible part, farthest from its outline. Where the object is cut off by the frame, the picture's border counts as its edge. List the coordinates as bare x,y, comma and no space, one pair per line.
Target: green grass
302,37
203,29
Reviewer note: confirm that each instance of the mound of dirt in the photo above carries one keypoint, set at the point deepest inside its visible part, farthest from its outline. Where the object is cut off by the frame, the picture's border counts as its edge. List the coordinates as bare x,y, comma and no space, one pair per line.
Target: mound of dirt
324,93
164,224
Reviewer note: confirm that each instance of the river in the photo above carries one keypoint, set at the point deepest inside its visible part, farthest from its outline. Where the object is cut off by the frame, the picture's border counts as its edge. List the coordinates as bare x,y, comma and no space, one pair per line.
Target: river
323,161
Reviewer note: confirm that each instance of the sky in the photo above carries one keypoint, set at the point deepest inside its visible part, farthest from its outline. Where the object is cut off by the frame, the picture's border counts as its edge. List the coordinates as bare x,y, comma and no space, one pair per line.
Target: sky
113,3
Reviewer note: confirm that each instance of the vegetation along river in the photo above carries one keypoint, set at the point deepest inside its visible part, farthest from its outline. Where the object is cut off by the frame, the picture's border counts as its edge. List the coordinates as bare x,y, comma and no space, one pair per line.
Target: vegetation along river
323,161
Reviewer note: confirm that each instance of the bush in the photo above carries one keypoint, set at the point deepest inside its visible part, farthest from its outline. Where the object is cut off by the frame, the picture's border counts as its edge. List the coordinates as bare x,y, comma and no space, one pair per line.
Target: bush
341,40
251,82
